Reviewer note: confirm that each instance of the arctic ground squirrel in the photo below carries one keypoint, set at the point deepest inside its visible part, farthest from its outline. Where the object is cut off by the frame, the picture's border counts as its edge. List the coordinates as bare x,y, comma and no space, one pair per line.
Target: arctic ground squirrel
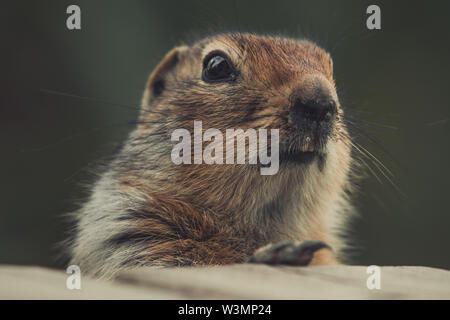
145,210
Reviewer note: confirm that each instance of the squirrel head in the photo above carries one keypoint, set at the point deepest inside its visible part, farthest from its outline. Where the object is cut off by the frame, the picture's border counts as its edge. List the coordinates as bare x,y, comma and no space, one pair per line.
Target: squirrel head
244,81
248,81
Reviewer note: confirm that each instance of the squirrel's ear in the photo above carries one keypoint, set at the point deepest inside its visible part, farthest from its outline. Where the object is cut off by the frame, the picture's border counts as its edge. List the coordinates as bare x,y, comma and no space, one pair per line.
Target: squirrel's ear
157,80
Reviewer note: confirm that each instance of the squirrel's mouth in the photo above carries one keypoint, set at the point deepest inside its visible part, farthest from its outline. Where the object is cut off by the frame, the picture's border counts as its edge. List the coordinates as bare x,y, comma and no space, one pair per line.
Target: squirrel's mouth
303,148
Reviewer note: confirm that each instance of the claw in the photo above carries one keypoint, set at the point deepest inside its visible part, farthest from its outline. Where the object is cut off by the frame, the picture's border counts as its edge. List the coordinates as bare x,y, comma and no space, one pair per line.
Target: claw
288,253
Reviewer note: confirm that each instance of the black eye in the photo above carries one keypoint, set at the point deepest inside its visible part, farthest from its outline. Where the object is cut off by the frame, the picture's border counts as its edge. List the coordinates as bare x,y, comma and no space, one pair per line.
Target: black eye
217,68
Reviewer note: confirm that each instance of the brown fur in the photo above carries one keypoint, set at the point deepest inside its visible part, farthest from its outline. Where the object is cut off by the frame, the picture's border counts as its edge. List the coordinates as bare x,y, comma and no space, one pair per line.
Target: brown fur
220,214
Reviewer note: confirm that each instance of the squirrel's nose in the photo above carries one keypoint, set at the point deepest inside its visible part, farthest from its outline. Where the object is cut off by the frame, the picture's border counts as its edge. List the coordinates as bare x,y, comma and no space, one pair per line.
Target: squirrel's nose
313,103
313,110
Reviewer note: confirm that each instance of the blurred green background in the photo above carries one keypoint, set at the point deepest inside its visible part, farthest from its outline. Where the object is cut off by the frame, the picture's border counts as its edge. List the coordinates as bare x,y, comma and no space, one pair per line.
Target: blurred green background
393,82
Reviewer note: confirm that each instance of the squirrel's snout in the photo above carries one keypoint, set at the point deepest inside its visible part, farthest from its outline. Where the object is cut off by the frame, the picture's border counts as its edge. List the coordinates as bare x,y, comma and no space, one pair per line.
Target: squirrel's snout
313,104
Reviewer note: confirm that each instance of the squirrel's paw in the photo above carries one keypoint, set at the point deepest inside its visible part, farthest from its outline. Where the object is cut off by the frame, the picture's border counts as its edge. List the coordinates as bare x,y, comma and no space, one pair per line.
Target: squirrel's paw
294,254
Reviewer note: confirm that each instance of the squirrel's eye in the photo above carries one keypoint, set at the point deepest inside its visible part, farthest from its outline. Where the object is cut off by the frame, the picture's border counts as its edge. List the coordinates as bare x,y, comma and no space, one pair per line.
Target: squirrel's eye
217,68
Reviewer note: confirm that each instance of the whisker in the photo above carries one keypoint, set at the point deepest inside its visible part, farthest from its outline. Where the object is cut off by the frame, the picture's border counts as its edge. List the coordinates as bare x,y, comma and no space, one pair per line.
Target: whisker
373,140
71,95
378,164
379,125
71,137
114,104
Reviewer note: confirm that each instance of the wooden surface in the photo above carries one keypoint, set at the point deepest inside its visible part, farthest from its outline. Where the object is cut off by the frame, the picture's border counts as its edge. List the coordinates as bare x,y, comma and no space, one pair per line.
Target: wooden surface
230,282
